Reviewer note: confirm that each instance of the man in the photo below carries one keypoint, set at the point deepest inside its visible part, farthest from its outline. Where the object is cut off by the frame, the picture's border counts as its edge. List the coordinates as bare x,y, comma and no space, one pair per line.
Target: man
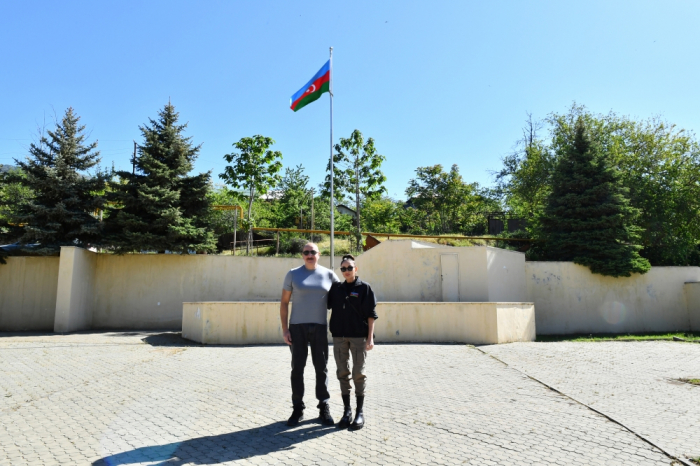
308,326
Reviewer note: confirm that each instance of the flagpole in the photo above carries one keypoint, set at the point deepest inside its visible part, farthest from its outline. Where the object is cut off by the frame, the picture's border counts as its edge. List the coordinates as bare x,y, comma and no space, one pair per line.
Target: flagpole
332,172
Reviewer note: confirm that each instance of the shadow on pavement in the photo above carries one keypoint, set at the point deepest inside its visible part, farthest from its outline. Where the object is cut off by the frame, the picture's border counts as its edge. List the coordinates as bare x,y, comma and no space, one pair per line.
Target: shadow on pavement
169,339
221,448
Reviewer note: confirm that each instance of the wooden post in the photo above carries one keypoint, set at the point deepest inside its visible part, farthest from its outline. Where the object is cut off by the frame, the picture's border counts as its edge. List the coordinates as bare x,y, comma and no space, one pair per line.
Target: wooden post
277,253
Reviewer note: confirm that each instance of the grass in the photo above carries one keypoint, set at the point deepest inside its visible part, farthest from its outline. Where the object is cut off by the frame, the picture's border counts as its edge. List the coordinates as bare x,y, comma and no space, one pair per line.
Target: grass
692,336
695,460
691,381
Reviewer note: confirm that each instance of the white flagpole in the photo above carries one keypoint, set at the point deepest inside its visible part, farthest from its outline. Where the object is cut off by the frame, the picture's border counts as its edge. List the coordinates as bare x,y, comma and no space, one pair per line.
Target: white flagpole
332,173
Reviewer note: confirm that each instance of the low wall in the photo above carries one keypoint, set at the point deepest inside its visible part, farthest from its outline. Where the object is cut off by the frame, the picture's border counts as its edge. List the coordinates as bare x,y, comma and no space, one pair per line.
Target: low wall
475,323
146,291
570,299
28,293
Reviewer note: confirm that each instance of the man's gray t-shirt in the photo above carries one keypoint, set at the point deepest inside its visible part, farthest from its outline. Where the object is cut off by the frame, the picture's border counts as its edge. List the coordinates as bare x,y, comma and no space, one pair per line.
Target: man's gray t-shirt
309,294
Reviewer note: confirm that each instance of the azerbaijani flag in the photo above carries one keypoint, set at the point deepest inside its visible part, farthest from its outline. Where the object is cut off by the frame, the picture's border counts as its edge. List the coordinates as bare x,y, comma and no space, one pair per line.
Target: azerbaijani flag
319,84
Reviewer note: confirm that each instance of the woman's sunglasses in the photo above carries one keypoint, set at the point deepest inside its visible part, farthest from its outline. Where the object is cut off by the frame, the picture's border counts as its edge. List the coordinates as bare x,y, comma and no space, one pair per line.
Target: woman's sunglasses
347,269
313,253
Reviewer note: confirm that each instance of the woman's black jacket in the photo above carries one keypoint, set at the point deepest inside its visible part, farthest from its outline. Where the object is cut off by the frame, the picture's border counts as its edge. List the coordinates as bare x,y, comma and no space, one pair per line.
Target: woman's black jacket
352,304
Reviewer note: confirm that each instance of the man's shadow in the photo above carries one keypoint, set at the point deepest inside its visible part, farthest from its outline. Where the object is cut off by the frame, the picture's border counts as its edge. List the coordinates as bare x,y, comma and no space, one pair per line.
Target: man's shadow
225,447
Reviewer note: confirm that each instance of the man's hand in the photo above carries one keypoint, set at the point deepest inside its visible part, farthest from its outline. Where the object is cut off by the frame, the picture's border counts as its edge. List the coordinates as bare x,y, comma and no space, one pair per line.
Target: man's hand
287,335
369,344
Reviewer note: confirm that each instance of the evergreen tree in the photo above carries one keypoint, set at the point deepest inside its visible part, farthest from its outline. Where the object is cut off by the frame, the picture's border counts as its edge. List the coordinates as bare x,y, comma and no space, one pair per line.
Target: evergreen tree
588,219
64,198
159,207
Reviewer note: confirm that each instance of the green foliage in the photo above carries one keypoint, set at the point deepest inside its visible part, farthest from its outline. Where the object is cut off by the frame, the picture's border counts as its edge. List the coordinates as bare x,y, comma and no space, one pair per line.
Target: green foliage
295,199
357,174
524,182
13,193
56,199
446,203
382,215
588,219
254,168
160,207
658,163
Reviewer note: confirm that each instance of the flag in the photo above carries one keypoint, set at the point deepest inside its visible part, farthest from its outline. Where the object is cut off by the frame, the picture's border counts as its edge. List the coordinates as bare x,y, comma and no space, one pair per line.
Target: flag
319,84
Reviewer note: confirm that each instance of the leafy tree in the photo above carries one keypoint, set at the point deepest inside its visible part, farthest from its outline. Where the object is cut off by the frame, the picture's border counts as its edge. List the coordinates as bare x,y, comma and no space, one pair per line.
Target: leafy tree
588,219
524,182
255,168
295,196
160,207
382,215
56,197
449,203
357,174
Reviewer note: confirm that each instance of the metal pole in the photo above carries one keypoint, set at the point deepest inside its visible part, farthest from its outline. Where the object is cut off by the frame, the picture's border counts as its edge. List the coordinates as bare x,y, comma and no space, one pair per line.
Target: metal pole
312,213
332,173
235,227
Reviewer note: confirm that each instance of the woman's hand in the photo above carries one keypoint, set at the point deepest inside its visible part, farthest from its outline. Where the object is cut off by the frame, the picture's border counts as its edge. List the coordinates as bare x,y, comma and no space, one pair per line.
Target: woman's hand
369,344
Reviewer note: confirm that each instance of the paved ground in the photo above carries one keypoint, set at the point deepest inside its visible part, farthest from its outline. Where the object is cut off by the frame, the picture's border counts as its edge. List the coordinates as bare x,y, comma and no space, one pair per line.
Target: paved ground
124,399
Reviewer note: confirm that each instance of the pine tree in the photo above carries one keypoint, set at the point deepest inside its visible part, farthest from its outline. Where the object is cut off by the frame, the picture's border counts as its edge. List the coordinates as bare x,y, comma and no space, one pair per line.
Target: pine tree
159,207
61,211
588,218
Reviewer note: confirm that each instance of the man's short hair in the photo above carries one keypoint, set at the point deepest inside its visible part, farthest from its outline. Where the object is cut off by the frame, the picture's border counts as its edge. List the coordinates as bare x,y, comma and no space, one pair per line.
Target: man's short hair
313,245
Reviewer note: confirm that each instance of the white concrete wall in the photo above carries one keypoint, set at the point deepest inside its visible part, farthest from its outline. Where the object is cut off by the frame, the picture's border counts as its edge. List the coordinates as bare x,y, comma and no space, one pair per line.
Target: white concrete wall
570,299
476,323
28,293
409,271
147,291
76,283
506,275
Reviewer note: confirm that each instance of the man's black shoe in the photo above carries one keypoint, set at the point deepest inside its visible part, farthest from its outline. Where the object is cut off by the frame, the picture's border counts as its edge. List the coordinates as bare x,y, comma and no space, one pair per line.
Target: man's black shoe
359,421
324,414
347,413
296,417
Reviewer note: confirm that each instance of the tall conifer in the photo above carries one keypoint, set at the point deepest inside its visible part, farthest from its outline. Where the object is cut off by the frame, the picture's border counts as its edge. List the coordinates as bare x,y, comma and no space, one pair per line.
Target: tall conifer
588,218
159,207
65,198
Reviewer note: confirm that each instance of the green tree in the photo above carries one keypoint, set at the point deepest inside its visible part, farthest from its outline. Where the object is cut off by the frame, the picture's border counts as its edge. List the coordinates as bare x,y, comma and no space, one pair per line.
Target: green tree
57,197
448,203
295,197
588,219
13,194
254,168
159,206
357,174
524,182
382,215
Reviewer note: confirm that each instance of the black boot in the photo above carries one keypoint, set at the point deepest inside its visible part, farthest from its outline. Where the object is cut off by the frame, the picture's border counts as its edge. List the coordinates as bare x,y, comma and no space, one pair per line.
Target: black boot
296,417
347,413
324,414
359,421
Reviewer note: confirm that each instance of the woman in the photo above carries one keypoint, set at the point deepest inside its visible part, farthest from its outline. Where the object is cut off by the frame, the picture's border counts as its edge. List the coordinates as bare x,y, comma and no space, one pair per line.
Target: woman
352,326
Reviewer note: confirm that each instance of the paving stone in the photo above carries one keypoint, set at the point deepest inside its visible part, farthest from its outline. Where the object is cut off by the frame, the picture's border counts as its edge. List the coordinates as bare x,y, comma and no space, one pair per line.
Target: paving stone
114,399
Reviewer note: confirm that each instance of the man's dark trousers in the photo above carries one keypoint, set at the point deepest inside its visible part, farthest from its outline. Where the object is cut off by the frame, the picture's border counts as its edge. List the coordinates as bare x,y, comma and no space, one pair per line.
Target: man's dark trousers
303,336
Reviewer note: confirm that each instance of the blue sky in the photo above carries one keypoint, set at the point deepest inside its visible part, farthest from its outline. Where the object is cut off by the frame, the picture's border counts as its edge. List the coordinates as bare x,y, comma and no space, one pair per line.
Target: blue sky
432,82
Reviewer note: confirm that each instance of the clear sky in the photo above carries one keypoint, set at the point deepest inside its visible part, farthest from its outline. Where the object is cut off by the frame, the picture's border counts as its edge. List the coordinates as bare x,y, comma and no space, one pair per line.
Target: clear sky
432,82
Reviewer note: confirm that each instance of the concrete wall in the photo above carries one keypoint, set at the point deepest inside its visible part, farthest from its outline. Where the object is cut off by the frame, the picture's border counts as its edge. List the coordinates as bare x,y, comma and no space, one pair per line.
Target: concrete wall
147,291
76,283
692,297
570,299
28,293
475,323
409,271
